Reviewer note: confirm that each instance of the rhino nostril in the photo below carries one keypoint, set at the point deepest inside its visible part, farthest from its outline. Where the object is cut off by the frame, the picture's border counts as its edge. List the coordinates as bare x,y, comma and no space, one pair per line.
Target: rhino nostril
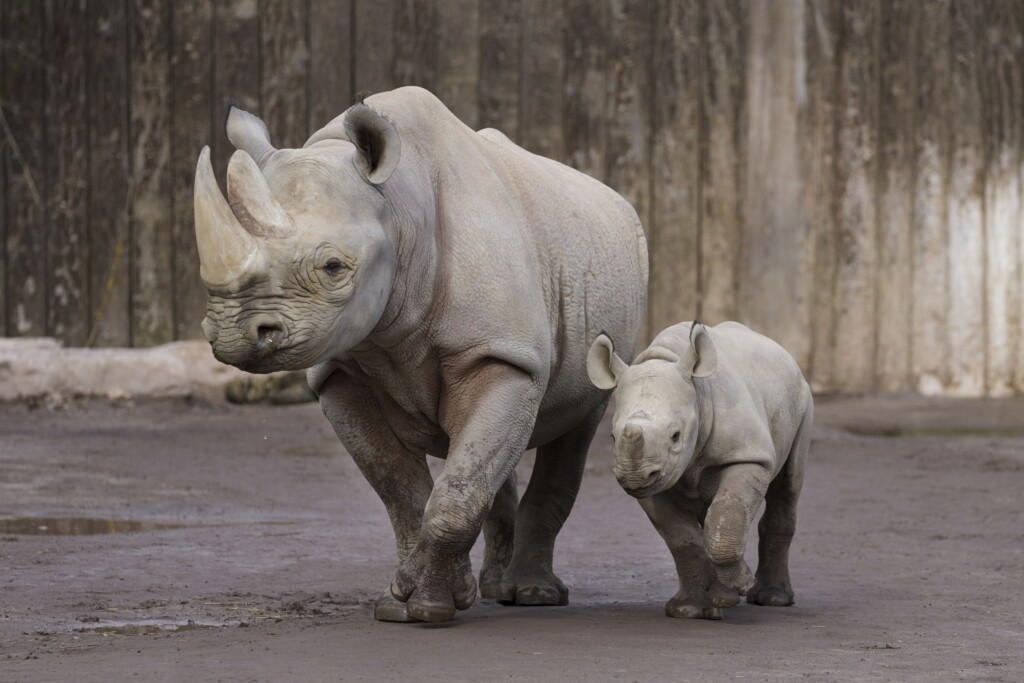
653,474
267,336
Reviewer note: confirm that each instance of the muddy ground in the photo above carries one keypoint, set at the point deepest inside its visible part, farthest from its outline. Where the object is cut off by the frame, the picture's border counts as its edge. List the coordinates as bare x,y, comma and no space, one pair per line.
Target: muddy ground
250,532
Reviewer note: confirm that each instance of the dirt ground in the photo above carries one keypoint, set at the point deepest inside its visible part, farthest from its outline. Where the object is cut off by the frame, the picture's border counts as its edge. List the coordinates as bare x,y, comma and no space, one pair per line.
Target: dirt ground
241,544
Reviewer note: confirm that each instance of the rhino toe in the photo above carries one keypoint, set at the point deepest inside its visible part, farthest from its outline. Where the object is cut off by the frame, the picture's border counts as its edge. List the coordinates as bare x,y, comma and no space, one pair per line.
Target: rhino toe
534,591
770,596
387,608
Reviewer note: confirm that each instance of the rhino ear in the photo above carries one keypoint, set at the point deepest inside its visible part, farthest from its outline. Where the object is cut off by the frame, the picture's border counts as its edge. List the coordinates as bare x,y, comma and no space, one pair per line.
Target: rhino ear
603,365
249,134
377,144
705,356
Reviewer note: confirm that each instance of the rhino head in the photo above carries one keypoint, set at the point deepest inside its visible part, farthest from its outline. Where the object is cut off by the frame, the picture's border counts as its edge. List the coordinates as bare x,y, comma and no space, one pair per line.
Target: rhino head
657,417
299,258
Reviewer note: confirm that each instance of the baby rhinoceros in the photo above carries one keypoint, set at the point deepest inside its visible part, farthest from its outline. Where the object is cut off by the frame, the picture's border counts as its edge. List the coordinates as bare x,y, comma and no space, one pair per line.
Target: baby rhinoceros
708,423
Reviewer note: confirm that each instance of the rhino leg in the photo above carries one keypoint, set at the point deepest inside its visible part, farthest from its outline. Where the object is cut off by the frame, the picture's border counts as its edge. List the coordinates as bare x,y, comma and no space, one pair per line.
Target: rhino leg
499,534
677,520
530,578
400,477
489,413
740,492
775,531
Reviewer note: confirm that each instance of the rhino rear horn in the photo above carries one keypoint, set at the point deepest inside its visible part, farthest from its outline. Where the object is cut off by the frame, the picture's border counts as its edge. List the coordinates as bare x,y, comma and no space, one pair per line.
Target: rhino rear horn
248,132
377,143
226,249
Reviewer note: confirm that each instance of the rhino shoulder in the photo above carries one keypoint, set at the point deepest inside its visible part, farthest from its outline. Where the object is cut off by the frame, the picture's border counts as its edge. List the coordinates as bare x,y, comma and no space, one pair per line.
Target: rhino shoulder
495,135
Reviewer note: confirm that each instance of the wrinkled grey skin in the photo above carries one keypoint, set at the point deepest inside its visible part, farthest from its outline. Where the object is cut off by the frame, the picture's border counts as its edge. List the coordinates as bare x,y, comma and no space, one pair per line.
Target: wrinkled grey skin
443,286
708,423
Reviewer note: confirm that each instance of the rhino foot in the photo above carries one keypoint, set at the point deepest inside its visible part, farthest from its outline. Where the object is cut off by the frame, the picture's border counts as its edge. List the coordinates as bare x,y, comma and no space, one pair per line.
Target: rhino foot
490,582
682,609
434,586
770,595
388,609
533,590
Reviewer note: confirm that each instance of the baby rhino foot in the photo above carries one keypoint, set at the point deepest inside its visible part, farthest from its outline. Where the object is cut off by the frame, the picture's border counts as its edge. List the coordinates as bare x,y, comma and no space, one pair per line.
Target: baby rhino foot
770,595
533,589
726,584
687,609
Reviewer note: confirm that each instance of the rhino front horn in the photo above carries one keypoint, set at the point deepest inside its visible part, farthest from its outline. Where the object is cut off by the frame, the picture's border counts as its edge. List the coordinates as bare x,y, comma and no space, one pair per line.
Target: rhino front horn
226,249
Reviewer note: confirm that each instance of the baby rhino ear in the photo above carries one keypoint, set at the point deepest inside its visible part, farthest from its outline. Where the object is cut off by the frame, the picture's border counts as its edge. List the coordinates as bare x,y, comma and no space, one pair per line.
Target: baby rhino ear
603,365
705,356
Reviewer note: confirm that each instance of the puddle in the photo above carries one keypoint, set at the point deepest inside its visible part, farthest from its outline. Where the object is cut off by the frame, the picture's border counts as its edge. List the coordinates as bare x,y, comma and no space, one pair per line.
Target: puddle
77,526
144,627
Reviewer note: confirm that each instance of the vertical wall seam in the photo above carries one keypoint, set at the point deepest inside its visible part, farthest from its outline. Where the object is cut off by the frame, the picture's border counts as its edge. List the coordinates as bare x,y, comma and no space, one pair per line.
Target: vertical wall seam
171,111
127,214
309,71
912,51
703,45
651,231
879,184
833,204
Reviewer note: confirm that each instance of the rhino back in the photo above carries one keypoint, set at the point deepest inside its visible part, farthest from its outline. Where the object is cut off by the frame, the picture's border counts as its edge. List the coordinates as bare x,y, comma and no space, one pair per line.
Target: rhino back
536,255
758,382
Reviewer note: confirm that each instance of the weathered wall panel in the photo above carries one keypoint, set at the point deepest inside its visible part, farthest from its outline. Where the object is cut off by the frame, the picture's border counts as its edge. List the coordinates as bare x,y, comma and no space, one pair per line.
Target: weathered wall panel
330,60
629,103
673,236
193,113
930,294
586,85
456,31
775,289
236,74
67,172
151,265
415,47
501,25
895,208
818,133
723,110
965,321
543,75
857,158
109,176
284,71
24,102
373,59
1002,101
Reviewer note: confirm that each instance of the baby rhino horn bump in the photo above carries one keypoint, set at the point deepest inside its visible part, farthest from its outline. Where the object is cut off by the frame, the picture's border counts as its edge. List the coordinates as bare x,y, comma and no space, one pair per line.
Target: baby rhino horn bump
225,248
632,438
251,200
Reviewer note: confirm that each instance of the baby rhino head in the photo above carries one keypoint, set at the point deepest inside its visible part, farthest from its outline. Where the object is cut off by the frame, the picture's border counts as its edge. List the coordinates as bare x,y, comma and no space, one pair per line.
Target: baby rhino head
656,419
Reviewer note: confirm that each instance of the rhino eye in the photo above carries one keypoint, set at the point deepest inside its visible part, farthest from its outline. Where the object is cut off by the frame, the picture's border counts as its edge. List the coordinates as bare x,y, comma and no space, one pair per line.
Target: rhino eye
333,266
675,437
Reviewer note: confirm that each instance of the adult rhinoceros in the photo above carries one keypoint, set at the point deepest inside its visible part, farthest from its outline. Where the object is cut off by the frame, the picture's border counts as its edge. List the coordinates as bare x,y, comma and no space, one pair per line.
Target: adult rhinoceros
443,287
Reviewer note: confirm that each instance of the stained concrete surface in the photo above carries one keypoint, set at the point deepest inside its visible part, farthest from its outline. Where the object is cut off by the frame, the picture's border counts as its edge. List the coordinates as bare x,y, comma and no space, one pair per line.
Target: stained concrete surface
241,544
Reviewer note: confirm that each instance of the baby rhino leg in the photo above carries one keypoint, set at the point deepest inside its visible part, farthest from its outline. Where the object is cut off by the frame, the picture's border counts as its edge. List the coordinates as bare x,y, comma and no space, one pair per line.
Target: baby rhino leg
775,532
678,524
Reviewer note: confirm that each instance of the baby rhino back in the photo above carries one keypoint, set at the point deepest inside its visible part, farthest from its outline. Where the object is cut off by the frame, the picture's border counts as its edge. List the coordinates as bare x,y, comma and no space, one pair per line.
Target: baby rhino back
758,391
